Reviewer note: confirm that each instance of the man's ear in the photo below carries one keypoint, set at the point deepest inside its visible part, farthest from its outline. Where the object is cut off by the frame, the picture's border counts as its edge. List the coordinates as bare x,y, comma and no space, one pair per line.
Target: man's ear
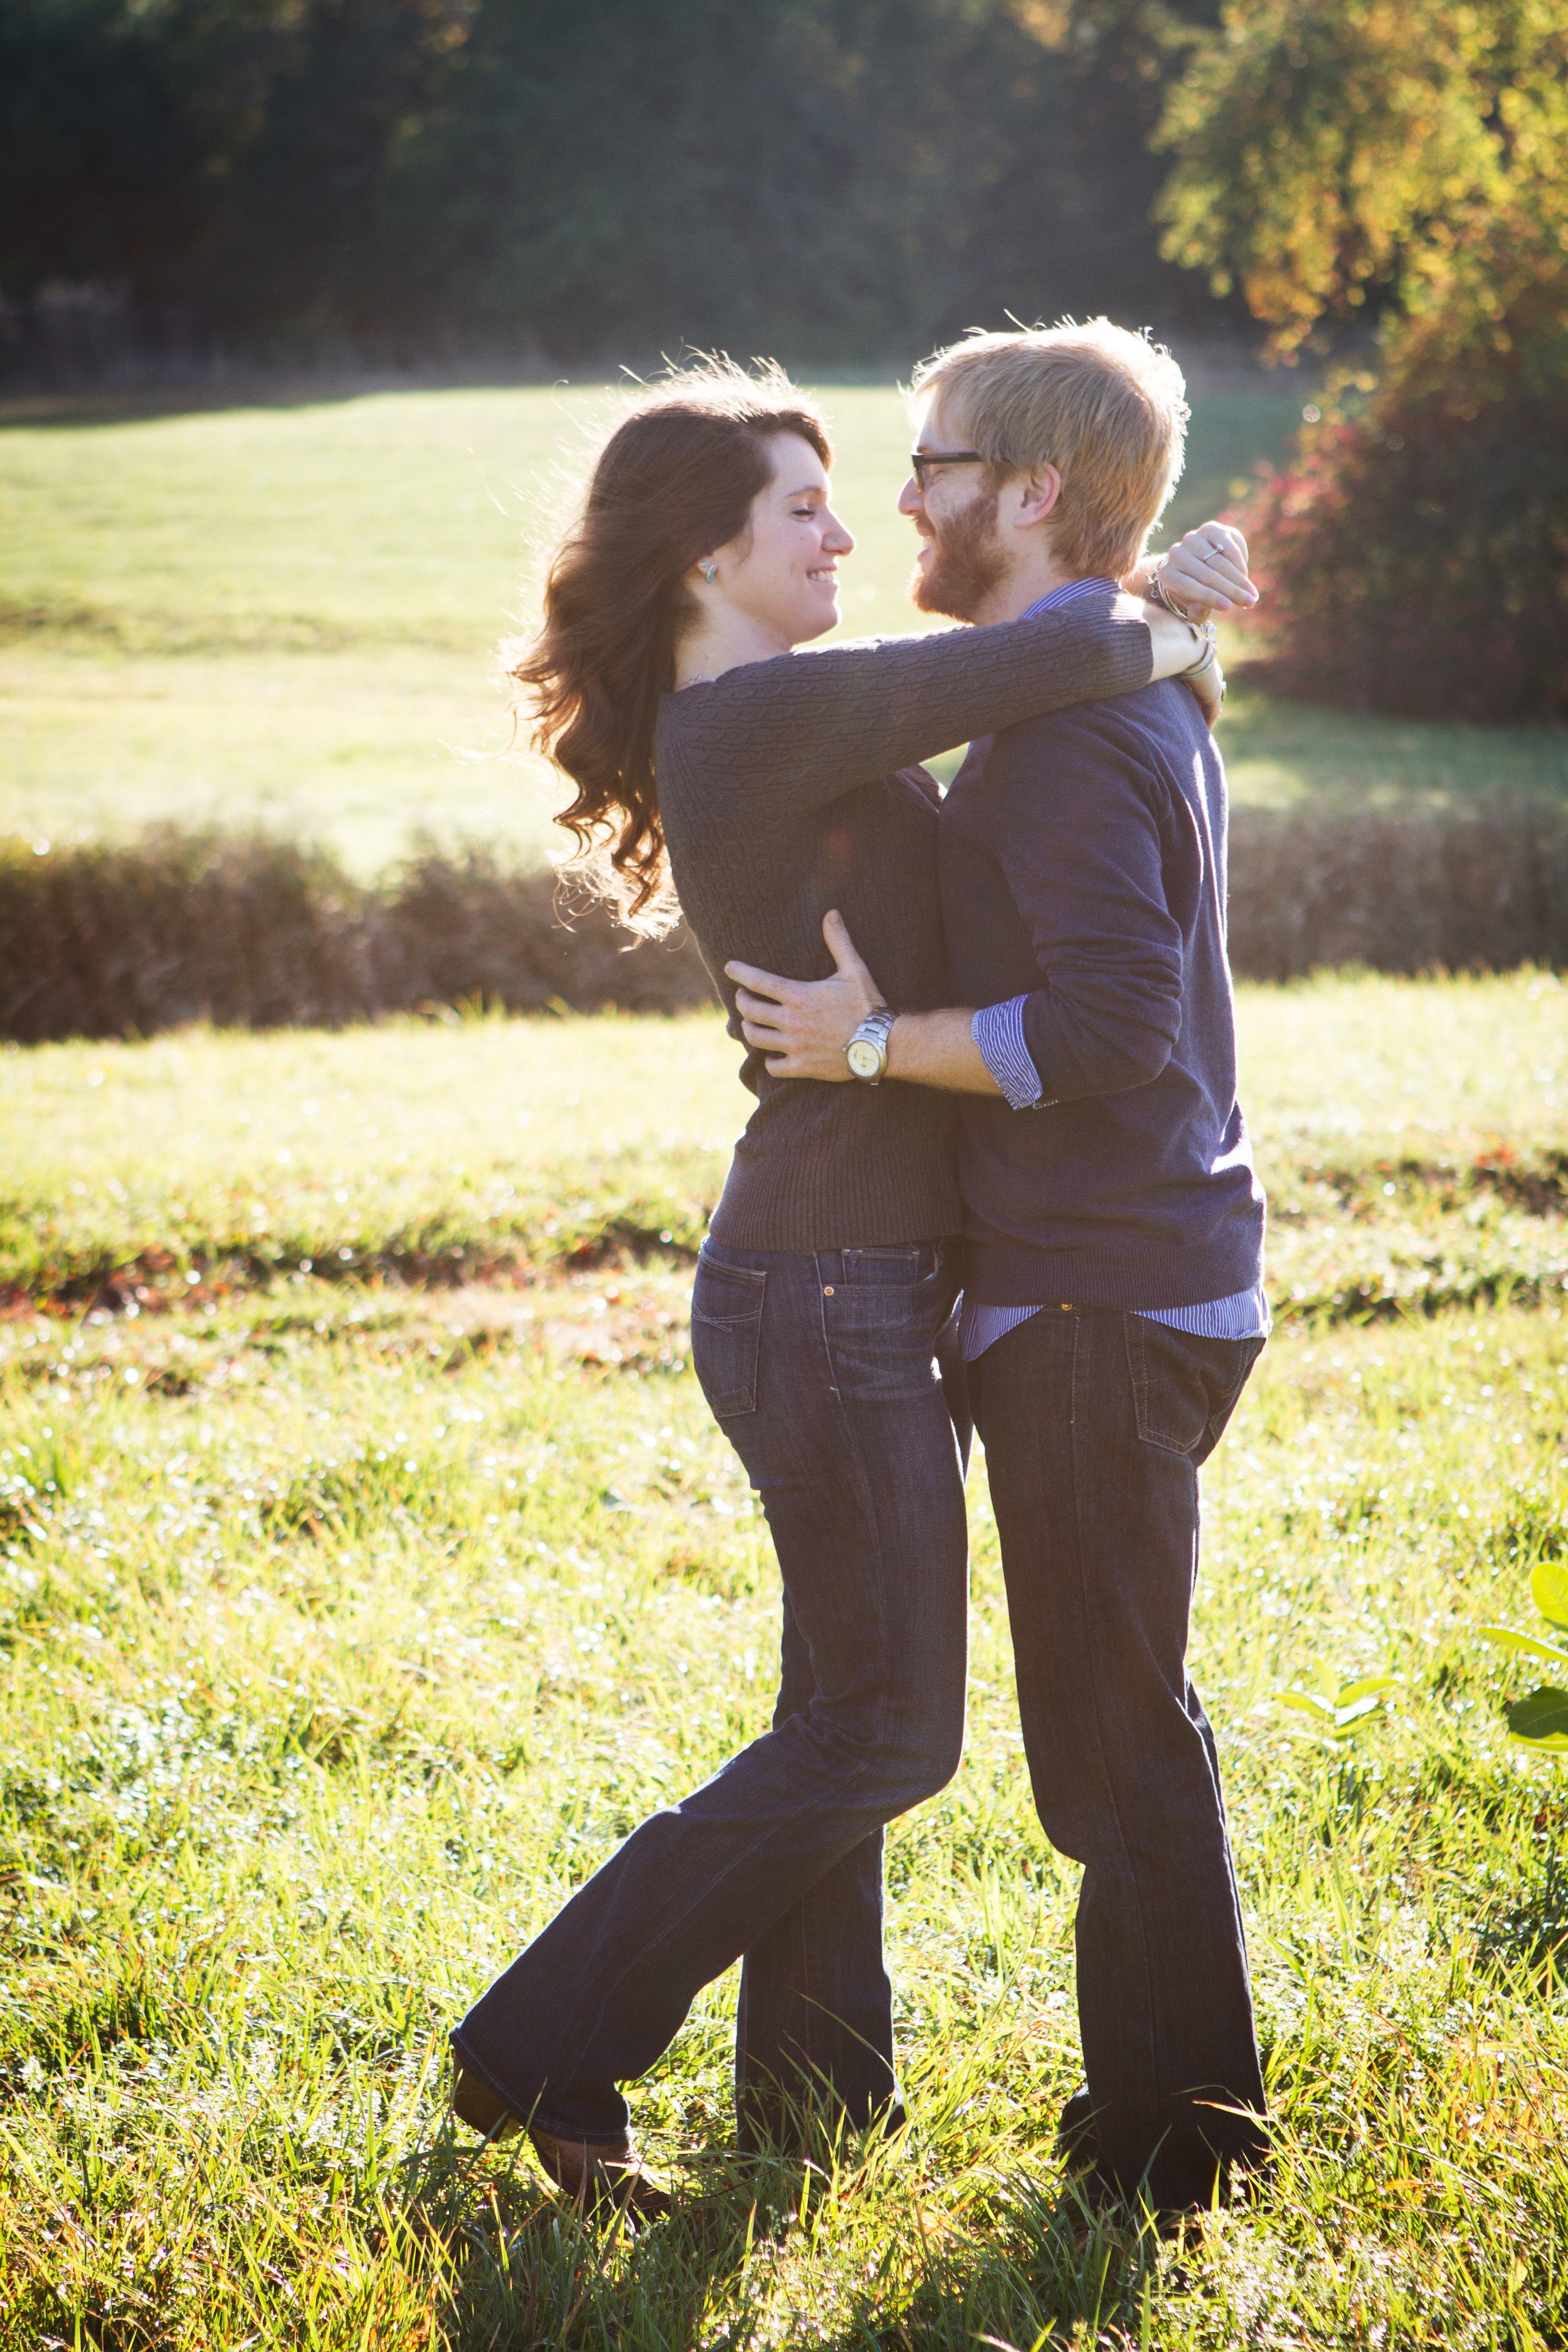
1038,492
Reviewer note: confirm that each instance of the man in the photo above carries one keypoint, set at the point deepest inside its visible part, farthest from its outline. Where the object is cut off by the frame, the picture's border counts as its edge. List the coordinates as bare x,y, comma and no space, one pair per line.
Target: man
1114,1225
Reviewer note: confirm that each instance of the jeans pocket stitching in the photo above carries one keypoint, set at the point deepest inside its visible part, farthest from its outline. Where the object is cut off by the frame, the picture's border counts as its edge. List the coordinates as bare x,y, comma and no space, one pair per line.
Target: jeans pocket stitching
1219,1418
740,1395
751,1279
1138,1367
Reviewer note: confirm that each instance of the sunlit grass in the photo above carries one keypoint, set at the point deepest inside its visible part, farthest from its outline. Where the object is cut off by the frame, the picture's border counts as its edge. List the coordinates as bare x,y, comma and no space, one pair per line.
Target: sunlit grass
324,526
1409,1135
348,1619
350,749
1277,753
334,1664
276,615
369,1563
345,523
502,1140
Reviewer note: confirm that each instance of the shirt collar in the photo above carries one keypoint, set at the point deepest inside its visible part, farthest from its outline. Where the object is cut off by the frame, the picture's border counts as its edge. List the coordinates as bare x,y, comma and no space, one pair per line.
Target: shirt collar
1068,593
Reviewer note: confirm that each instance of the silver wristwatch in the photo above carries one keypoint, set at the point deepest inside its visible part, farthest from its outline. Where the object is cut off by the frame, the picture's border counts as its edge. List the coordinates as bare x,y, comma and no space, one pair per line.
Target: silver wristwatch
866,1051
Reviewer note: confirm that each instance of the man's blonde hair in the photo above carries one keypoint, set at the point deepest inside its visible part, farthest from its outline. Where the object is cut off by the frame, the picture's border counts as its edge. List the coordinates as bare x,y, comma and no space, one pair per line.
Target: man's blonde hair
1106,407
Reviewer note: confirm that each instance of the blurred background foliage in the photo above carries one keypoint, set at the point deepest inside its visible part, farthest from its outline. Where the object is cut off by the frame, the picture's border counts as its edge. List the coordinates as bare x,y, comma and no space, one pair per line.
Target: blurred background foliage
1352,156
835,180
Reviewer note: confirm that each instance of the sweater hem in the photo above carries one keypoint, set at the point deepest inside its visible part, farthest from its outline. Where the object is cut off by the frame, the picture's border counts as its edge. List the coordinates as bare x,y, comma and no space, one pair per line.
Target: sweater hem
844,1230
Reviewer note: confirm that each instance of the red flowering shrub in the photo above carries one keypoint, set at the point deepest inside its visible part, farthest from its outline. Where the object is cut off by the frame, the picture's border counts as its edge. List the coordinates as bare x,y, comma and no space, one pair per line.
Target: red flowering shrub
1417,552
1416,559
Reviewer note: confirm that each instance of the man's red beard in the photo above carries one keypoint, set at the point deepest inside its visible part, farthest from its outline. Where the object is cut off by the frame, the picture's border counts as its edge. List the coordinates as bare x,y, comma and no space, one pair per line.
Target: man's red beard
966,563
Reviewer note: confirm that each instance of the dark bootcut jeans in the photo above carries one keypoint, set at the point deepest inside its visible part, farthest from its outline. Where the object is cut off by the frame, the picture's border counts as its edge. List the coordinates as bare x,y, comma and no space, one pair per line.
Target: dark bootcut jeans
823,1371
1094,1424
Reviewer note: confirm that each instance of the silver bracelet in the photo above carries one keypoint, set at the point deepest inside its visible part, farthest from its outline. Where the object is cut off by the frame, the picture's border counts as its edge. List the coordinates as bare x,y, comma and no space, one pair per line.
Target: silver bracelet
1159,595
1207,660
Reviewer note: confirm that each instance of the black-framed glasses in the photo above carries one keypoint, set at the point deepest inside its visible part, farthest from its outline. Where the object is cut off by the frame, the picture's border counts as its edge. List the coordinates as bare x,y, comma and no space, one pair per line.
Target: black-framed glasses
921,460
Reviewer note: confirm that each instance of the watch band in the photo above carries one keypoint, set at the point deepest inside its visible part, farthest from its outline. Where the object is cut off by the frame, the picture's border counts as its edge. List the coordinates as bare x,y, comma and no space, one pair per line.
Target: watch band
869,1065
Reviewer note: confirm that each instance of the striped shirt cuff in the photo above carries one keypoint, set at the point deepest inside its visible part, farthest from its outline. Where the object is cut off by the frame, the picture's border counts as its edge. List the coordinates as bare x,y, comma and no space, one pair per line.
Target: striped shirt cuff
998,1030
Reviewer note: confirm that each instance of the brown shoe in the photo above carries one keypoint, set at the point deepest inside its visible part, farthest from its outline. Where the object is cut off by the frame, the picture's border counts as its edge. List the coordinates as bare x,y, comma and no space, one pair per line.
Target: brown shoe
596,2176
474,2103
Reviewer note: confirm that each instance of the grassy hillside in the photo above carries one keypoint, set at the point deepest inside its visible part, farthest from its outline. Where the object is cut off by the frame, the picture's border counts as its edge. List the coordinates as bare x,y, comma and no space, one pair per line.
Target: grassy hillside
287,613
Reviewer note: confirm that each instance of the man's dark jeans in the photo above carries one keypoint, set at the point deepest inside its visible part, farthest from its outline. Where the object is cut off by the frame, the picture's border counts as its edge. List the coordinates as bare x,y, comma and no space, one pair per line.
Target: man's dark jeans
822,1369
1094,1424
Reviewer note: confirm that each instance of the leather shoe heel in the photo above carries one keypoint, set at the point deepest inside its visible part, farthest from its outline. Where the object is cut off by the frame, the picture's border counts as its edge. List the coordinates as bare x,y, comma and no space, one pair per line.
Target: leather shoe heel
475,2104
612,2175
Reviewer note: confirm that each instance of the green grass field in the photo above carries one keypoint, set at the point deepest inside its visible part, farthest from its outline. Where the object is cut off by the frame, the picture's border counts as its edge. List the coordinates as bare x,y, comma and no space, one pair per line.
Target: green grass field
287,614
370,1564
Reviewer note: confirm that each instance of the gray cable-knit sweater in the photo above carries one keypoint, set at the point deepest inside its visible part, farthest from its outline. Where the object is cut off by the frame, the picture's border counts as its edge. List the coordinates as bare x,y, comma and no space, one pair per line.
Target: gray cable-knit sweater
787,787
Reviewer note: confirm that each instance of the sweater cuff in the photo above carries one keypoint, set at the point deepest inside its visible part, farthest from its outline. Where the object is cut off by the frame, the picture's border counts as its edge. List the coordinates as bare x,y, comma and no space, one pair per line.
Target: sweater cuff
998,1030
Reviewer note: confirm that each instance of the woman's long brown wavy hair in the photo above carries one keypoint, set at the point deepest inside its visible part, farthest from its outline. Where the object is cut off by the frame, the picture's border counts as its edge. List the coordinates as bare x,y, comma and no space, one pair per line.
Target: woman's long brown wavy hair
675,480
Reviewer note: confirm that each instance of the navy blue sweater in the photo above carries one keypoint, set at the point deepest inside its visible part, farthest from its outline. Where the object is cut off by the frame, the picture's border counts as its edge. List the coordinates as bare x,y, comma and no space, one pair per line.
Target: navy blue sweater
1083,863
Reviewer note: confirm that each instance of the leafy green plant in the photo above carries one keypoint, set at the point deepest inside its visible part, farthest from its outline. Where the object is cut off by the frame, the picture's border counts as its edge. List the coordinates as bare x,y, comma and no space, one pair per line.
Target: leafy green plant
1336,1712
1539,1720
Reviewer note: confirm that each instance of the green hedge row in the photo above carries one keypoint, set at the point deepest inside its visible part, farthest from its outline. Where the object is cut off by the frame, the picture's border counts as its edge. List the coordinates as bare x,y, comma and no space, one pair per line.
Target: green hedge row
102,941
1480,886
247,932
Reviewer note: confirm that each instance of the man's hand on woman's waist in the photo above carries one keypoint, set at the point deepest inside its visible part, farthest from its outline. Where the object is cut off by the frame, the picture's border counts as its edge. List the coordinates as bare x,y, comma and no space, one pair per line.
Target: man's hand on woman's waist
804,1026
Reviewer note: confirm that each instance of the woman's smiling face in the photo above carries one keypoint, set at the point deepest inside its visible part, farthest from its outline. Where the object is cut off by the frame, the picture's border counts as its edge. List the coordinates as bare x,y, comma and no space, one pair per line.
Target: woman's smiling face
782,571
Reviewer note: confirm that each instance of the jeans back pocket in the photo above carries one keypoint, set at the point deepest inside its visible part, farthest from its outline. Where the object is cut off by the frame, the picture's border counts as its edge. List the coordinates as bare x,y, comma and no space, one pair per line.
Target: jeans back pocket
727,1334
1184,1388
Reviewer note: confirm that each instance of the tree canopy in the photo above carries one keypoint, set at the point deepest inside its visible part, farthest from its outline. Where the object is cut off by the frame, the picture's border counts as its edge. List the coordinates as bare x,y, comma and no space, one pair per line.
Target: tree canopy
1335,153
835,179
1332,151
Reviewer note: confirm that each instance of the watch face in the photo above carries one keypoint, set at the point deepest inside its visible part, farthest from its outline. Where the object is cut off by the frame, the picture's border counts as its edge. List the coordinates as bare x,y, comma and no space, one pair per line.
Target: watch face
863,1058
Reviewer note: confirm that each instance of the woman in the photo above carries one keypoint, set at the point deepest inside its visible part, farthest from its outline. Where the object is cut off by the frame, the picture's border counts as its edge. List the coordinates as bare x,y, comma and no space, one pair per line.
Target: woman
765,791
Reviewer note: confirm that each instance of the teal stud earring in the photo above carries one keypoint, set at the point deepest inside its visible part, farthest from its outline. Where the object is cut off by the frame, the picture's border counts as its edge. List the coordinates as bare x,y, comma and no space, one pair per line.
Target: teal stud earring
708,571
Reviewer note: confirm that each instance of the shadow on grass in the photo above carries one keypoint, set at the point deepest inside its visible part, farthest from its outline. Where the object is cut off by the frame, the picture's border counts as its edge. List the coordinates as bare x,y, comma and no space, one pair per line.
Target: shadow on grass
520,2264
1045,2267
846,2256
